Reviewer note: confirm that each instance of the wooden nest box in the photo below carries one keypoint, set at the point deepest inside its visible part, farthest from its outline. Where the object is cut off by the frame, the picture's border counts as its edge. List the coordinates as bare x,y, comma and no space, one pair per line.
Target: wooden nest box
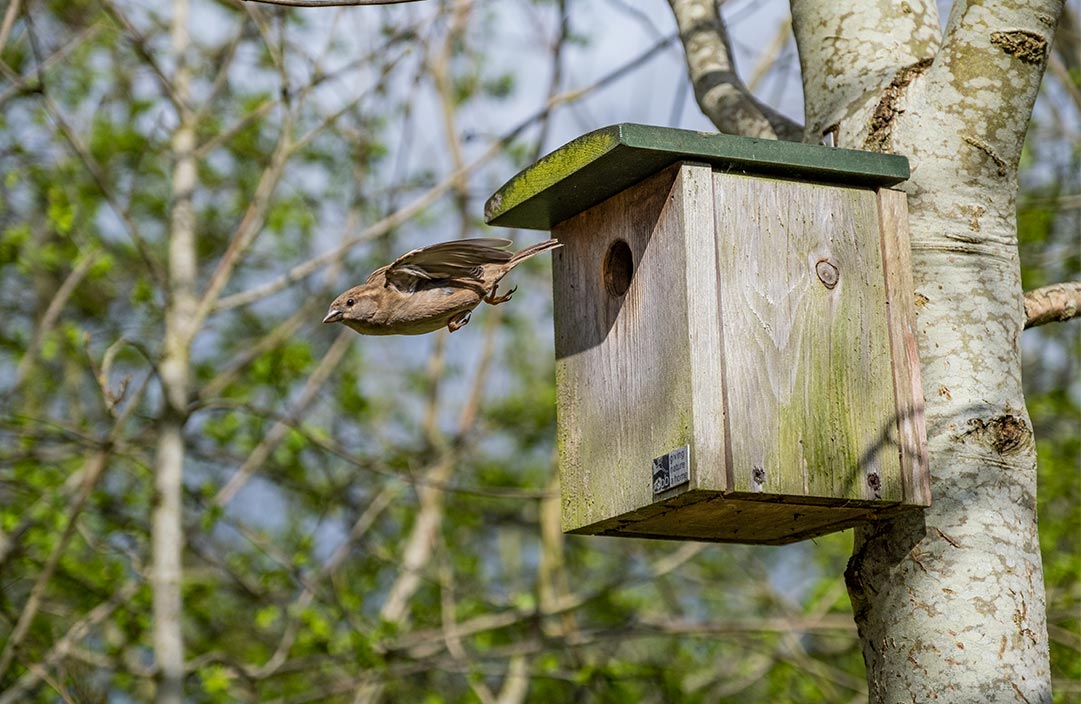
734,334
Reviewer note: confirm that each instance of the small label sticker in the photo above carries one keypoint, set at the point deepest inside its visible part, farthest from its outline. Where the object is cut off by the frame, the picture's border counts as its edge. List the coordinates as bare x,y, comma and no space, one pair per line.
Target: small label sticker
672,469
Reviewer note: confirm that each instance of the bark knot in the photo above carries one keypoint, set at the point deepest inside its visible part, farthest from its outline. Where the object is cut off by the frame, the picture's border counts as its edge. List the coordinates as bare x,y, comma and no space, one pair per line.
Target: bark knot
1029,47
879,135
1005,434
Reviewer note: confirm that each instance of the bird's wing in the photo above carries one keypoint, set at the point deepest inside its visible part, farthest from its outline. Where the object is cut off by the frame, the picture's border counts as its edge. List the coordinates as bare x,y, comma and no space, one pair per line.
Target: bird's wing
458,259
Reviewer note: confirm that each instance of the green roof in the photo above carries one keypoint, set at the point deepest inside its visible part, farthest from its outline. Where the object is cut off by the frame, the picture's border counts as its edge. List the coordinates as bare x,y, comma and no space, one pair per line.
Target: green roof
597,165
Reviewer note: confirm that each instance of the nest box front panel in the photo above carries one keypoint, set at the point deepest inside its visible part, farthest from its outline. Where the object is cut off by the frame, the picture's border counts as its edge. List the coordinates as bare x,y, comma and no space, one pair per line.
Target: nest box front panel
807,354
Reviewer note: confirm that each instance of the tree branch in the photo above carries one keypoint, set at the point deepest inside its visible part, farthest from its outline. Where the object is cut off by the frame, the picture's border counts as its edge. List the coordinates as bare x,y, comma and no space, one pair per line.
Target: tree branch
250,225
63,647
329,3
9,20
270,442
24,83
52,313
1054,303
142,48
92,471
721,94
396,218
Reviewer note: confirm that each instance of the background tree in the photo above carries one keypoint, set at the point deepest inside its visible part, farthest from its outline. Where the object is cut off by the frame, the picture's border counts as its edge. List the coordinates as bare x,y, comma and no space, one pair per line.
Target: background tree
206,495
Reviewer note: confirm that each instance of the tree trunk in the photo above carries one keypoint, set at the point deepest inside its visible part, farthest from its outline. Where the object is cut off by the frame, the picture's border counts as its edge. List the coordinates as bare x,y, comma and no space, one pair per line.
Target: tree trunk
174,372
949,602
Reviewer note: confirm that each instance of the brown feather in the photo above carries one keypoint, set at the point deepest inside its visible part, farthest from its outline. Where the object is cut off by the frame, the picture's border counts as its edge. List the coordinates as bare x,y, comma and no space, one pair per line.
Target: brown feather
431,287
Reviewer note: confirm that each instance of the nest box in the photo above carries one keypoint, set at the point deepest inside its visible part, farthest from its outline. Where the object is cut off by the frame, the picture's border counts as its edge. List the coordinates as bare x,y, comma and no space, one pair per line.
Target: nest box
734,334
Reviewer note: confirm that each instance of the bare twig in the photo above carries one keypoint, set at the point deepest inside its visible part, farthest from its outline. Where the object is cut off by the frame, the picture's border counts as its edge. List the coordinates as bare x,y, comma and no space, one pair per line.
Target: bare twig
1054,303
78,631
557,74
91,472
515,682
395,219
770,54
378,229
224,63
427,643
249,226
301,94
171,90
97,174
52,312
19,84
277,433
9,20
244,358
330,3
364,521
418,480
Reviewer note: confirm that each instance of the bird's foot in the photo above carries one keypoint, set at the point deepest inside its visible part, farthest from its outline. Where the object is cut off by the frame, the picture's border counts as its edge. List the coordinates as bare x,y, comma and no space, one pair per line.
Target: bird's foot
496,300
458,321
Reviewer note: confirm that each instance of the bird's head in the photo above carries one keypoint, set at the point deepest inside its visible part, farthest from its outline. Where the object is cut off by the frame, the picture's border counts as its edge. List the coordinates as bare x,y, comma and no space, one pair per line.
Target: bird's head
357,305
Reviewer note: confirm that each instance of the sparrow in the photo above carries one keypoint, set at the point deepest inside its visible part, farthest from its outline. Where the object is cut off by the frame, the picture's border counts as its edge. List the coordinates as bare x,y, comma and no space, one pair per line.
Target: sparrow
431,287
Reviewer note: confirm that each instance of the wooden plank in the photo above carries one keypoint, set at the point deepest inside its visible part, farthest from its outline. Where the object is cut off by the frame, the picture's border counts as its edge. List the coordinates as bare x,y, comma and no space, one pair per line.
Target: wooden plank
693,203
806,349
602,163
749,522
901,312
713,517
622,362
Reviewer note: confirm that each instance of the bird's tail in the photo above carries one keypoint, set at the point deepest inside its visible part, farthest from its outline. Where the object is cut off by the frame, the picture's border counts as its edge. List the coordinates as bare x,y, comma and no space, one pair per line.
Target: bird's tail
528,252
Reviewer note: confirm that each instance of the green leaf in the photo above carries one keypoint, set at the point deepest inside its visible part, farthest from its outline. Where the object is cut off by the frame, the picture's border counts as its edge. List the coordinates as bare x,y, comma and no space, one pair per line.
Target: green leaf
215,679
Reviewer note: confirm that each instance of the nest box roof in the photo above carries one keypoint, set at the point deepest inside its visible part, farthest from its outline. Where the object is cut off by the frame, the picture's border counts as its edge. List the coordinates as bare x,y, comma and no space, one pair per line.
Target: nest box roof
604,162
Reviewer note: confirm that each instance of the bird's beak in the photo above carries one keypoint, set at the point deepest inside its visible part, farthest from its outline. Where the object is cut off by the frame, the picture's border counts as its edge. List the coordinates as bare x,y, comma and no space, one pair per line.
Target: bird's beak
333,316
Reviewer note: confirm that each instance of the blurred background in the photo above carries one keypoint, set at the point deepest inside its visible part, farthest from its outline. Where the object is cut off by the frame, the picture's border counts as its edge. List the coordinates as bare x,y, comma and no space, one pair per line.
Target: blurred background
377,518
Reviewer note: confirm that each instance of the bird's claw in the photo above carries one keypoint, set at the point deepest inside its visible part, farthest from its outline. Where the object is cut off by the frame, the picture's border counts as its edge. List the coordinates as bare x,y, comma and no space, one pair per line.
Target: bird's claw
496,300
458,321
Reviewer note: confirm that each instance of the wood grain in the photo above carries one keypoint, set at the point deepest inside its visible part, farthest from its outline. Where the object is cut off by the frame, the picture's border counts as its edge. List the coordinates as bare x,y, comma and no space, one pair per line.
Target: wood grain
901,312
768,325
693,192
806,349
622,363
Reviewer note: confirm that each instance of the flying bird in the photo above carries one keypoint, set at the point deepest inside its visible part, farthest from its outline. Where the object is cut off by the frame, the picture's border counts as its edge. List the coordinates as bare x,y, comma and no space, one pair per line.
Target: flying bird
431,287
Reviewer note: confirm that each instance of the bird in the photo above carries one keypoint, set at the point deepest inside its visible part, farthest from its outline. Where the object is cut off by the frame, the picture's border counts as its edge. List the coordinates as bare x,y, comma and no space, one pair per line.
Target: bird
432,287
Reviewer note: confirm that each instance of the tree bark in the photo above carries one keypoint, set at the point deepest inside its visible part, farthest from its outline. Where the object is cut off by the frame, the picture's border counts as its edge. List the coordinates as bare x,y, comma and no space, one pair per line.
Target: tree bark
721,94
1054,303
174,370
950,602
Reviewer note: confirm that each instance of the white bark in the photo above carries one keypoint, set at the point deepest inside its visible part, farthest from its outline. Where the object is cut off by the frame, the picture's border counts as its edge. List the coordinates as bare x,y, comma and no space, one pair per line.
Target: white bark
174,370
949,602
719,90
850,56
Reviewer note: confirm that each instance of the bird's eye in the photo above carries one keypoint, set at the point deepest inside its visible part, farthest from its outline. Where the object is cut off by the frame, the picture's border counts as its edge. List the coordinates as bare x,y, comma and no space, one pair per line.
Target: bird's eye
350,302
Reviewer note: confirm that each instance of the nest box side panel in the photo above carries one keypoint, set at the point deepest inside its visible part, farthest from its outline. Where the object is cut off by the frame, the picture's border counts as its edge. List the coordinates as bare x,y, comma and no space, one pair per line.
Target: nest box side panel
623,368
807,359
911,426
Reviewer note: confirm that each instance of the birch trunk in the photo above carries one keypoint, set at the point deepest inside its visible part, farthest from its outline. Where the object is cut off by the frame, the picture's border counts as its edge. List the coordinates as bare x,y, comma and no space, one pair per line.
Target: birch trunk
174,371
949,602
